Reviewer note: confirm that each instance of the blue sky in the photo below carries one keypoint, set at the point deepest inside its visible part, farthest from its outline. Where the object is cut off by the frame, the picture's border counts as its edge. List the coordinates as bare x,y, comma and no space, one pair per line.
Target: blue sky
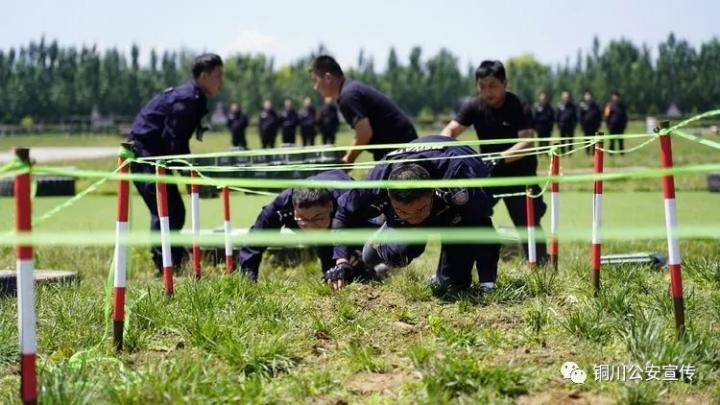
473,30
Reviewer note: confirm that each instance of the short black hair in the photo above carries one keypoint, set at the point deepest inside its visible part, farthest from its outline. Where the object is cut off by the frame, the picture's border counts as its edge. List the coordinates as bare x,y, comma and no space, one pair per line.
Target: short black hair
406,172
326,64
492,68
310,197
206,62
615,93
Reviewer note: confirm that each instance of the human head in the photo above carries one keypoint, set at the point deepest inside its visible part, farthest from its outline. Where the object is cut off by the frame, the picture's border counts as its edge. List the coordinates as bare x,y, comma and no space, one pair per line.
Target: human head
267,105
234,107
491,82
587,97
312,208
565,97
411,205
327,76
307,102
207,70
288,104
615,96
543,98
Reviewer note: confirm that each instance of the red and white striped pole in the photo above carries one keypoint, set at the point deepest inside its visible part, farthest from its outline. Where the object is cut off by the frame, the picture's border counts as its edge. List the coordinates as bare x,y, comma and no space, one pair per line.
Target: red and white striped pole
195,215
554,210
162,208
25,284
229,261
676,287
530,216
121,229
597,218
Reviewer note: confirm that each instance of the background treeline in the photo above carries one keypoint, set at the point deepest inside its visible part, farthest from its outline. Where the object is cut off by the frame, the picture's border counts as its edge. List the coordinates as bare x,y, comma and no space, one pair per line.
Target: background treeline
45,82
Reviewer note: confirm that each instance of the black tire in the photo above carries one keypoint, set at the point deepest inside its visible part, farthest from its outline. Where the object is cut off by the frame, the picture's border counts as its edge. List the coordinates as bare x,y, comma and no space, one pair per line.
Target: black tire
713,182
47,186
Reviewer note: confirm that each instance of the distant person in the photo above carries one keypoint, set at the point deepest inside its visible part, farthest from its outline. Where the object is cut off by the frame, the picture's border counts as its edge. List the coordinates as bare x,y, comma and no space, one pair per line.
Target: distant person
543,118
566,120
290,122
308,122
377,120
268,124
237,123
328,121
616,119
164,126
590,117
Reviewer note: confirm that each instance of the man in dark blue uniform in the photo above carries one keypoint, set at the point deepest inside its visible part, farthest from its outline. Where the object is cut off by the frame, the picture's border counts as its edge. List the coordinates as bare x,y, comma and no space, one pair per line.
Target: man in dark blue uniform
308,122
290,122
406,208
376,119
498,114
237,123
302,209
268,125
543,118
566,119
616,119
164,126
328,121
590,117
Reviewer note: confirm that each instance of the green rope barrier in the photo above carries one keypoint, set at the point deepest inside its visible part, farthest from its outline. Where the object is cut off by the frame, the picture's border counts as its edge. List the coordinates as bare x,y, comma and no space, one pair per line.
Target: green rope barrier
350,236
698,139
318,149
366,184
93,187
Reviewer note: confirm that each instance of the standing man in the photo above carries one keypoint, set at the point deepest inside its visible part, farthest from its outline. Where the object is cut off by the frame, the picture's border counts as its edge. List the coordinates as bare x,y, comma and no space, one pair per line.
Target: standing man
543,118
377,120
329,121
590,117
268,125
237,123
308,122
616,119
566,119
425,207
289,124
498,114
164,126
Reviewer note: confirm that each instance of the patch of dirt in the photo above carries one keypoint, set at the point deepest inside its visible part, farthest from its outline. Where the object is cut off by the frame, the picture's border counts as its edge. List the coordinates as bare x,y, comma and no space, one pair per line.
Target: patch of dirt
564,397
368,383
323,344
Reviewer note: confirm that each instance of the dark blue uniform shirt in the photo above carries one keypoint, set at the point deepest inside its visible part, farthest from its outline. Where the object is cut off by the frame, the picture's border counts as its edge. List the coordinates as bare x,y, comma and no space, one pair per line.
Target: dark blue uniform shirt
499,123
567,115
328,120
590,117
268,123
166,123
543,118
279,214
307,117
451,207
389,124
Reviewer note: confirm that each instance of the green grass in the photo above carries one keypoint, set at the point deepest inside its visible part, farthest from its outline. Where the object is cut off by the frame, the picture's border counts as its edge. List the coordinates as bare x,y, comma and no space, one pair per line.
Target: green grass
288,339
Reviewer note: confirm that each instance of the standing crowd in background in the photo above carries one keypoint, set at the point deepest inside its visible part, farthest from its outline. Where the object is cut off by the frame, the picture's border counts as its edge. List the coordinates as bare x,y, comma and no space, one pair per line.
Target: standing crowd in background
589,114
270,123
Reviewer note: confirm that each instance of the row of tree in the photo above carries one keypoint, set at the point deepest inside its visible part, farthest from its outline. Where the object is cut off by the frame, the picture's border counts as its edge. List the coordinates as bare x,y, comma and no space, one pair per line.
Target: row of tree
52,83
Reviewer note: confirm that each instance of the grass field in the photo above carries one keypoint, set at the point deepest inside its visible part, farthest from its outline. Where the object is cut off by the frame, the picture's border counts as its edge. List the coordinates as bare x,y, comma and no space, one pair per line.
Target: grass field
288,339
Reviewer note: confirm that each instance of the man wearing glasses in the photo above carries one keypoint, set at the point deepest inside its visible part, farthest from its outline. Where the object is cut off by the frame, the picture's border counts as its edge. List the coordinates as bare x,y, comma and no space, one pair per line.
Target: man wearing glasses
422,207
306,209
